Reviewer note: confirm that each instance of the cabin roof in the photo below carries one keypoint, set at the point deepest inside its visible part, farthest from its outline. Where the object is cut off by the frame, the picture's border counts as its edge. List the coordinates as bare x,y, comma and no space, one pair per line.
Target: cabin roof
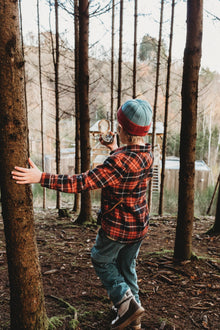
173,163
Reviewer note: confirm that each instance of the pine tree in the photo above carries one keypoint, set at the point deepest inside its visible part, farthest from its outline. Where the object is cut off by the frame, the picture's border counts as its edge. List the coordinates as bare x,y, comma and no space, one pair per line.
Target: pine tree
192,57
27,306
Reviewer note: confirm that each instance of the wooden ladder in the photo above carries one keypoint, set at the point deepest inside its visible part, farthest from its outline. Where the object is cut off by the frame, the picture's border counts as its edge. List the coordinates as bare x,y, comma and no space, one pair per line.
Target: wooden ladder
156,179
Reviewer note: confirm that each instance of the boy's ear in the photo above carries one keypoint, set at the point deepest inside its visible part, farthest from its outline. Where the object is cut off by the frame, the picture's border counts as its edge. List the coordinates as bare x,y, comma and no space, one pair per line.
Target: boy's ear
119,128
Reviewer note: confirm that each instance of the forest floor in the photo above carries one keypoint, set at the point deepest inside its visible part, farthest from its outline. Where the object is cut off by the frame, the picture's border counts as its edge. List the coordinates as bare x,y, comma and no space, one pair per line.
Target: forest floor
175,296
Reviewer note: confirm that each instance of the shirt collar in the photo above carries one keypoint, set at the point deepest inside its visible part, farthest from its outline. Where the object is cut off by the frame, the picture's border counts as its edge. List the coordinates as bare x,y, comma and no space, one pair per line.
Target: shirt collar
134,148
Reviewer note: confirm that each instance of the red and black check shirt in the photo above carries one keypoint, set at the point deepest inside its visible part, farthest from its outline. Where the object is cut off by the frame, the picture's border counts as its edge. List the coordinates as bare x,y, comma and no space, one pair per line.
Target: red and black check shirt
123,178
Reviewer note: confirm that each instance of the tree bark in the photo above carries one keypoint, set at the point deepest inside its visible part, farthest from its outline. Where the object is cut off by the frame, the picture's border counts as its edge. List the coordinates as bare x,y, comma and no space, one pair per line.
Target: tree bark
56,71
85,211
166,113
120,53
77,110
216,227
135,49
112,65
41,100
27,306
25,85
156,95
192,57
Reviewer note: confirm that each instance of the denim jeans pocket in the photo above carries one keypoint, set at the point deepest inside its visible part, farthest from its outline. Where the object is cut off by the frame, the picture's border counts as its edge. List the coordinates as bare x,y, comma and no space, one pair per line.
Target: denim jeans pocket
105,249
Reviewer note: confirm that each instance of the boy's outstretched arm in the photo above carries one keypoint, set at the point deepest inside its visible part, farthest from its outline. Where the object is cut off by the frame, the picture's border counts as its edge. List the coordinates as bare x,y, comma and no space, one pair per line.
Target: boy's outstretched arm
27,175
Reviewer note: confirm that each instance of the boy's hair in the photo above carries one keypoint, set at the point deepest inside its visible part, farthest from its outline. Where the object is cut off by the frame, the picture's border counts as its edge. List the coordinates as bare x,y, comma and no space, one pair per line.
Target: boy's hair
132,138
135,117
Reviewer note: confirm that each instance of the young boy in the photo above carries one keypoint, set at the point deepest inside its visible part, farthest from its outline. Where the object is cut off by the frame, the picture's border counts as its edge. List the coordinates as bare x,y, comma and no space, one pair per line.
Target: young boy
123,178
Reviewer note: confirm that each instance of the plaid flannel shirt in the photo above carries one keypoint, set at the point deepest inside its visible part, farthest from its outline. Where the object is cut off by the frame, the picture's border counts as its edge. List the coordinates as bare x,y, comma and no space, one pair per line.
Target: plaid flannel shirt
123,178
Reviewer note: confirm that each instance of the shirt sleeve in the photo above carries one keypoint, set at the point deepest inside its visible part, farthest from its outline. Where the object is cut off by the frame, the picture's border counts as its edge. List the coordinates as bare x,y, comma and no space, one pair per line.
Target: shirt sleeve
107,174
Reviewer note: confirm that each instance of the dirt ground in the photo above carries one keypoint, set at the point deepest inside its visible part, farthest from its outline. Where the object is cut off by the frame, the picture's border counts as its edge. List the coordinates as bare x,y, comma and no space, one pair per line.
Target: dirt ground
185,296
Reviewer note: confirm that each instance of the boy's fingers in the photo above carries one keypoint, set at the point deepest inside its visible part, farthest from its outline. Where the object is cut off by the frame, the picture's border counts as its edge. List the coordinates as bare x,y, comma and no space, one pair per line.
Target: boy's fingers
22,169
31,163
17,174
19,178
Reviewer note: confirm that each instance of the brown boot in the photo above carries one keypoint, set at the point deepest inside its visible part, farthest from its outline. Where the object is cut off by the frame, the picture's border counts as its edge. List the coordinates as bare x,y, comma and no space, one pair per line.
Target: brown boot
132,312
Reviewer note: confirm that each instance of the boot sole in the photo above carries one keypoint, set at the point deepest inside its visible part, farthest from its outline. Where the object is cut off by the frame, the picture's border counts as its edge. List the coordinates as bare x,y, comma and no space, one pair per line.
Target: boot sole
127,322
135,327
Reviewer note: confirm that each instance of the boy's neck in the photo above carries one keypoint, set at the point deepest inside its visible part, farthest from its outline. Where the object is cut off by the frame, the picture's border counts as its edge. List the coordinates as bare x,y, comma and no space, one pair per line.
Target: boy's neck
136,144
137,141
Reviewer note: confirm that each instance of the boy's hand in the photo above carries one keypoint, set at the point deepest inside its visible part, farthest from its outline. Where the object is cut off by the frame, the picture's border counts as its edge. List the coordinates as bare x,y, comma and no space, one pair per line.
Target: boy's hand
112,146
27,175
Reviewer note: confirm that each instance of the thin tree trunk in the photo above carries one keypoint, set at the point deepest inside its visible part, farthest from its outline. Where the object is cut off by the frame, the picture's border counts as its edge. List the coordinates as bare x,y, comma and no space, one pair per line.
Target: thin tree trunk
41,100
25,87
56,67
85,211
156,95
192,57
135,49
166,112
112,65
210,136
213,196
217,149
27,307
77,110
120,53
216,227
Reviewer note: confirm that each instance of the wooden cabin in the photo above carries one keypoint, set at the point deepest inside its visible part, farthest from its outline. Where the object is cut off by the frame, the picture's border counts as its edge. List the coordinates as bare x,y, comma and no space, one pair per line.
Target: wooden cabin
172,166
99,153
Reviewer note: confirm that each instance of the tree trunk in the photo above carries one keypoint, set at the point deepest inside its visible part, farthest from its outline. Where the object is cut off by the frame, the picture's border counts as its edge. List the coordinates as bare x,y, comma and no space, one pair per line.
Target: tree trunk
217,149
85,211
135,50
120,53
41,101
25,87
192,57
77,110
210,136
155,96
56,70
166,113
112,65
26,291
216,227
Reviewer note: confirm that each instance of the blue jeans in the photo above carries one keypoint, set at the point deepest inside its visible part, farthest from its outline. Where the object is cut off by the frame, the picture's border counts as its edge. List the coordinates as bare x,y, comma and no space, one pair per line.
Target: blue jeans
115,264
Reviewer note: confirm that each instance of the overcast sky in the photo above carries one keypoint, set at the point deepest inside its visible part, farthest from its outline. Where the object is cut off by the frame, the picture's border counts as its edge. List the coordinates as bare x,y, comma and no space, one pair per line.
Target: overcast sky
148,23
